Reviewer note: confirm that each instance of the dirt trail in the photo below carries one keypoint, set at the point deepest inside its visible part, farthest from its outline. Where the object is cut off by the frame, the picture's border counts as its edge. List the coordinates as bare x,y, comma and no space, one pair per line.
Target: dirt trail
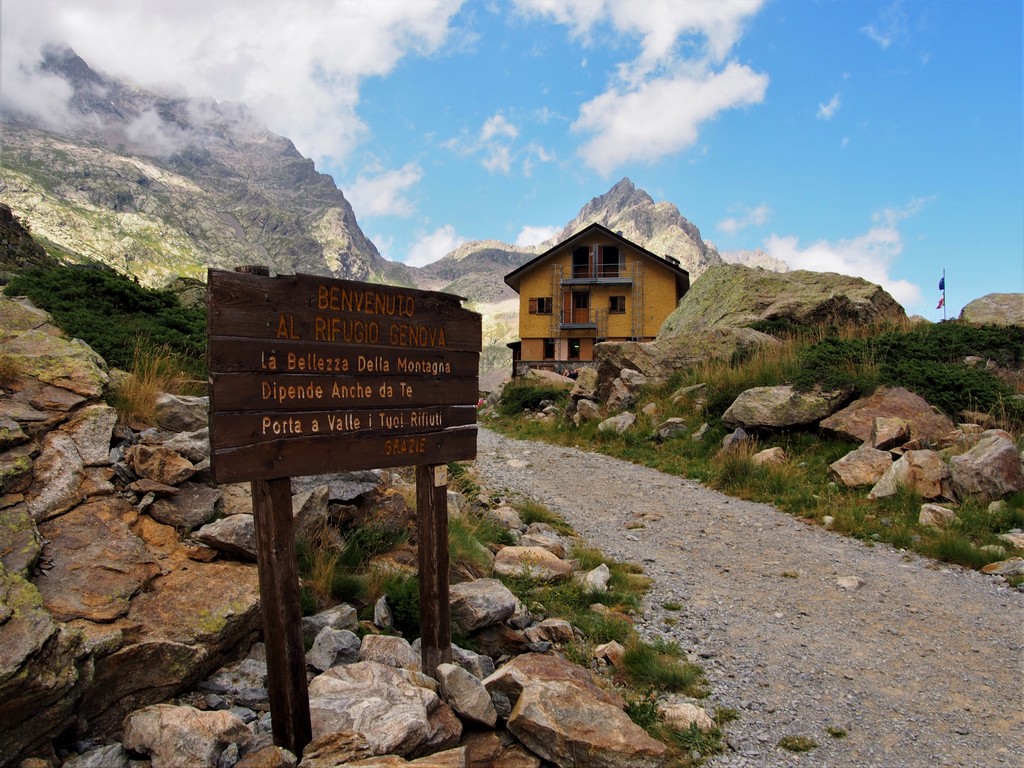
920,665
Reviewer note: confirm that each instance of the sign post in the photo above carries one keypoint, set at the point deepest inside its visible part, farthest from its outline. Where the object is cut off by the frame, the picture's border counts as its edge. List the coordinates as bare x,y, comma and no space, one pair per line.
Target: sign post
313,375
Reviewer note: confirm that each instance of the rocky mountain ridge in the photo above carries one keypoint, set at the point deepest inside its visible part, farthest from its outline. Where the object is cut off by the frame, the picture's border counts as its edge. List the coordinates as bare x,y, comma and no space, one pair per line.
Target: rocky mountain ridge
160,187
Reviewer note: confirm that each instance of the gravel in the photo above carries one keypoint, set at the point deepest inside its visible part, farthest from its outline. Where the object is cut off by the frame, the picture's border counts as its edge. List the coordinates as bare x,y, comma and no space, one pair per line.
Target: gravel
802,631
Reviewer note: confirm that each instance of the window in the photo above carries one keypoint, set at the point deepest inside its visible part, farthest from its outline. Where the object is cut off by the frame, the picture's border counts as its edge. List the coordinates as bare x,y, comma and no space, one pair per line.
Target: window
581,262
610,265
540,305
549,349
574,349
616,305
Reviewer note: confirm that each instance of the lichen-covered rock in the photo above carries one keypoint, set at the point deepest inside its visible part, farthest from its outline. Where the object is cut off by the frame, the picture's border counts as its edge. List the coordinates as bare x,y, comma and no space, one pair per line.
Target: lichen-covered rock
995,309
734,296
781,407
44,668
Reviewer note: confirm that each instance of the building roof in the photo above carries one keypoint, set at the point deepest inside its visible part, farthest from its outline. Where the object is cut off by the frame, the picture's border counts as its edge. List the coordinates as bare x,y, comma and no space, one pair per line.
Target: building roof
512,278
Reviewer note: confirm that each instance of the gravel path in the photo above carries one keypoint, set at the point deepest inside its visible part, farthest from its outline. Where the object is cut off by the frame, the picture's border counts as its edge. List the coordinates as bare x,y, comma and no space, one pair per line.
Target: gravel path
920,665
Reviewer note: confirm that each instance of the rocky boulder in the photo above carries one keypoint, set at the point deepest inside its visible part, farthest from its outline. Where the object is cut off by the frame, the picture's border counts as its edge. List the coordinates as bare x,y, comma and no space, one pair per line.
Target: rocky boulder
863,466
734,296
857,421
923,472
394,715
658,359
781,407
991,469
995,309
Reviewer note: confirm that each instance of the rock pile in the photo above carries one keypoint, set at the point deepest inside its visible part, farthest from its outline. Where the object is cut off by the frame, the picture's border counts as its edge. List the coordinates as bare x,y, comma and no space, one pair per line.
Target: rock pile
129,608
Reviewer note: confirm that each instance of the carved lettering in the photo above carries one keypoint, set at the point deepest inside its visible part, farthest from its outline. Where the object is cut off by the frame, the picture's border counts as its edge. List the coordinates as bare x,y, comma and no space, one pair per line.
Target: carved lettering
402,445
286,327
367,301
283,393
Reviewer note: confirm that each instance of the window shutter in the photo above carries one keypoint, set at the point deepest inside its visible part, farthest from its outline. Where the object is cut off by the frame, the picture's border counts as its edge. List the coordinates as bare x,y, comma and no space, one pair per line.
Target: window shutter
533,306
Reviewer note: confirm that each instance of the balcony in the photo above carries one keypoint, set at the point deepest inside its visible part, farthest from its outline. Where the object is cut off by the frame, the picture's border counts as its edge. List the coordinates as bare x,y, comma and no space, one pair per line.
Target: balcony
600,274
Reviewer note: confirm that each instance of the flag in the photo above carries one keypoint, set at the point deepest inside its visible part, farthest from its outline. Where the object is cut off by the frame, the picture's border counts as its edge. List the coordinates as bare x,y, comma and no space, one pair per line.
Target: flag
942,300
942,283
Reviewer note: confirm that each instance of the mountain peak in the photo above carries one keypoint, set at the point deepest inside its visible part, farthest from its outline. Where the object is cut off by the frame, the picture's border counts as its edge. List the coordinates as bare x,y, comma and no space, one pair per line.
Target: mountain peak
658,227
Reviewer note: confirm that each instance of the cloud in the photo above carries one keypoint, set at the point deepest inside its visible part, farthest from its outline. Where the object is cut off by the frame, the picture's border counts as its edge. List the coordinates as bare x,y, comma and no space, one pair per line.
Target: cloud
751,217
530,235
660,25
497,126
434,246
871,255
661,117
384,193
890,26
827,111
297,65
495,144
679,78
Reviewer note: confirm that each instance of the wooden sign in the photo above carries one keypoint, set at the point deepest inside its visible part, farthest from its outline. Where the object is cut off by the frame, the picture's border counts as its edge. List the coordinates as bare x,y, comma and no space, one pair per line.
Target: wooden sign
311,375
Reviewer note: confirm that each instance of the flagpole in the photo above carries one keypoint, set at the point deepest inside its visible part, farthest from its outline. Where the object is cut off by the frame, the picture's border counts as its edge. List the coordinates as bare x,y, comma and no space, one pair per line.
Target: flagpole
943,294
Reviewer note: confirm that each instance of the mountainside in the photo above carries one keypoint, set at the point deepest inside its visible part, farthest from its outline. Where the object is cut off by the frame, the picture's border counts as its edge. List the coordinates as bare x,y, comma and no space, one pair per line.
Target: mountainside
658,227
158,187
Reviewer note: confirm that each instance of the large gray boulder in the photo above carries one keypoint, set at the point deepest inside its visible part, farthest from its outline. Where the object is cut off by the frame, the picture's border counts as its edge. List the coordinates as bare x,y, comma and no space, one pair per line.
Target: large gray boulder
781,407
382,705
995,309
658,359
734,296
991,469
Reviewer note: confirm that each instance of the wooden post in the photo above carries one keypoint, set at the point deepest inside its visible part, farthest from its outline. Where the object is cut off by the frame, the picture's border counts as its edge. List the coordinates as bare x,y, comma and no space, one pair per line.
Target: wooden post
435,615
282,616
278,569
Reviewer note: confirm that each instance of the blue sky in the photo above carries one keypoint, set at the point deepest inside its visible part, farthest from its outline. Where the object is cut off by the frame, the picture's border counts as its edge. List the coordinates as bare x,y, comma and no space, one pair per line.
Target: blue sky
879,139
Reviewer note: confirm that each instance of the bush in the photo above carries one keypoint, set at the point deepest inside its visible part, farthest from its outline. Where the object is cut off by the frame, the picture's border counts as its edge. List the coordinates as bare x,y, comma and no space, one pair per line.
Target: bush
109,312
927,360
519,396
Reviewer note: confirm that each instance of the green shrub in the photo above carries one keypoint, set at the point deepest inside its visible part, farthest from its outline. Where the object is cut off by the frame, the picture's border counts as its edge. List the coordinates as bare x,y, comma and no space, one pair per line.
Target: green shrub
109,312
519,396
403,594
366,542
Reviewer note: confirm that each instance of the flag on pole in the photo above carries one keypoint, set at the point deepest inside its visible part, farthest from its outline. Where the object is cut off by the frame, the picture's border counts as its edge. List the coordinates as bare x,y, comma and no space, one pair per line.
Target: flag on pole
942,300
942,283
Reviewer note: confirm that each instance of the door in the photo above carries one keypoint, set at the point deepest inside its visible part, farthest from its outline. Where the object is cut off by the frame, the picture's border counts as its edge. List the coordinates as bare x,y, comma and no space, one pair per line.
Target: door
580,307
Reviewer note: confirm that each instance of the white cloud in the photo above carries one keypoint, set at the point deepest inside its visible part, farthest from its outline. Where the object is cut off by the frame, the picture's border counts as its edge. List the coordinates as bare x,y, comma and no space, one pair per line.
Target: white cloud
663,116
297,65
750,217
434,246
660,24
498,126
827,111
890,26
497,158
679,78
530,235
385,193
871,255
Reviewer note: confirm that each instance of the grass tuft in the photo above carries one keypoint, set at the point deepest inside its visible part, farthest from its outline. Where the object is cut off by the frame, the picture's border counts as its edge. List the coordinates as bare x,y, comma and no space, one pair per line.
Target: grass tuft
797,743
